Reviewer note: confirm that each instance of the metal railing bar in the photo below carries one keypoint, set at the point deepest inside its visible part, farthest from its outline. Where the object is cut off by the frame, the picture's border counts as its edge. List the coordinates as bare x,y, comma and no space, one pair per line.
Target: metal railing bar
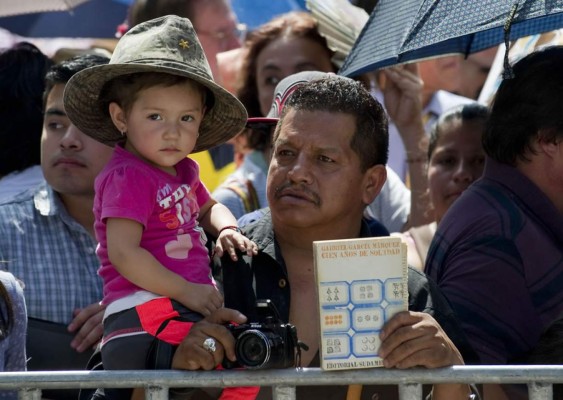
410,391
540,391
281,392
306,376
156,393
29,394
539,379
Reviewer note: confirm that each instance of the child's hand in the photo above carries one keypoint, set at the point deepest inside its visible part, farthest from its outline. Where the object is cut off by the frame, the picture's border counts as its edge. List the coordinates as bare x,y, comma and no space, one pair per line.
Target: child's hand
230,239
202,298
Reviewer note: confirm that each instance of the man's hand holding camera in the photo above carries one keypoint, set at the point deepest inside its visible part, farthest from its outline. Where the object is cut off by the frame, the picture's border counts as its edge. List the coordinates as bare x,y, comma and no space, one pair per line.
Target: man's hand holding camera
224,337
191,354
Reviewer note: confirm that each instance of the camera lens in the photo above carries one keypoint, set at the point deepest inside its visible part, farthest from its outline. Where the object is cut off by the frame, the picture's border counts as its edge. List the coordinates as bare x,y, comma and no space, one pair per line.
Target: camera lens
252,349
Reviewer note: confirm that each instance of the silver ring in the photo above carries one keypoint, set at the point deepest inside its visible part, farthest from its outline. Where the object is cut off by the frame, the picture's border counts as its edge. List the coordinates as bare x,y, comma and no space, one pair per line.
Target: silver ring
209,345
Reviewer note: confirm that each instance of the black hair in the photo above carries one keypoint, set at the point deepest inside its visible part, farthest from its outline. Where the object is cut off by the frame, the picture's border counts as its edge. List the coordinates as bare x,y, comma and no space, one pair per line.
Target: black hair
62,72
259,135
337,94
124,89
464,113
7,318
22,81
525,106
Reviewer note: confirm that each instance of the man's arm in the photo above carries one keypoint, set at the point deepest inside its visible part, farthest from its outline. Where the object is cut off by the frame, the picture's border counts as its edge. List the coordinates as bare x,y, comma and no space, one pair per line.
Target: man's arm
484,283
402,93
412,339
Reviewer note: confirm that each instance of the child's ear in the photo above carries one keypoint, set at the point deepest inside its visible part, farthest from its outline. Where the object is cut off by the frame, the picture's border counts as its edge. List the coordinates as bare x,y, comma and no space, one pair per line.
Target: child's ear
118,116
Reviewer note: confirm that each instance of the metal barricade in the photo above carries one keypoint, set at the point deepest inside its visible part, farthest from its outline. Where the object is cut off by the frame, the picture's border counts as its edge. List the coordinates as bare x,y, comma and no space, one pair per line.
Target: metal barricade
283,382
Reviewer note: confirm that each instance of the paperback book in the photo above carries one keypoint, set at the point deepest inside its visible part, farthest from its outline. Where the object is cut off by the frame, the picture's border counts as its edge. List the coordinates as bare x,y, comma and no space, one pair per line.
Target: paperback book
361,284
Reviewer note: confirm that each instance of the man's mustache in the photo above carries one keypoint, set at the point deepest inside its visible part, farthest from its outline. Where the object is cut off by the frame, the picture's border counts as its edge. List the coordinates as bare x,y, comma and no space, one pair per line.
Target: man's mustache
297,190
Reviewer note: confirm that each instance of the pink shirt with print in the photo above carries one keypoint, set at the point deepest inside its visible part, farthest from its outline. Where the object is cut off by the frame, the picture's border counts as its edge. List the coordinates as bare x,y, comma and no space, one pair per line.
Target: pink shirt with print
166,206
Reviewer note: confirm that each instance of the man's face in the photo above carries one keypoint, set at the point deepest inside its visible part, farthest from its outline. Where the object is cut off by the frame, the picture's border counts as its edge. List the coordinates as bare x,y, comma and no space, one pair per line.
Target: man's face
315,177
70,159
216,27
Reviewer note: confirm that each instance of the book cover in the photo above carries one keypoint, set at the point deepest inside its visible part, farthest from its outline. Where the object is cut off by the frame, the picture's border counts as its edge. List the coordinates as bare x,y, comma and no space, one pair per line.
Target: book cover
361,284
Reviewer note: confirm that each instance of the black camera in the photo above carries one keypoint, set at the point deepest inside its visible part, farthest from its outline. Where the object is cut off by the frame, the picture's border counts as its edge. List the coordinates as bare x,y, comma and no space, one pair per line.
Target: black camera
267,343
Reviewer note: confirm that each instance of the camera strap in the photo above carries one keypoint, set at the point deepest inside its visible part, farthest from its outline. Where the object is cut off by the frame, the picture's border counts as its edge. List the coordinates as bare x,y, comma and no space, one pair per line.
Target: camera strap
248,260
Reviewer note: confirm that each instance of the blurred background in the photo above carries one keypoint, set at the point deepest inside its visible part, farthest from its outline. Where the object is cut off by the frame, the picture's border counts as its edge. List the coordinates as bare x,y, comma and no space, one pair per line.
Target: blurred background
100,18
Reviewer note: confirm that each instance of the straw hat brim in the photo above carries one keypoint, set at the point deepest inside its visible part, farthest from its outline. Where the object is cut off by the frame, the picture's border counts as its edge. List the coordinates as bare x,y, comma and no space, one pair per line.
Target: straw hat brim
225,119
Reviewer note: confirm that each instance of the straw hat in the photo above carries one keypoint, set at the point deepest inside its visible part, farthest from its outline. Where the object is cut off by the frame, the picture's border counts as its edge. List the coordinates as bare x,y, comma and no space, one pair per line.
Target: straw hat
167,44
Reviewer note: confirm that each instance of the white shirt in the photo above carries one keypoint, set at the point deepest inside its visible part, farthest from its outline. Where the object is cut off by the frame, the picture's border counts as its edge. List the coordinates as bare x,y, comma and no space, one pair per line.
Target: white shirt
392,205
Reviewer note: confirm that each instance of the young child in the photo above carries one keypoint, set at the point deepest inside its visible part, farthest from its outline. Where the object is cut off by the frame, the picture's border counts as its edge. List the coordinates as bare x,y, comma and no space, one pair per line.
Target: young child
156,100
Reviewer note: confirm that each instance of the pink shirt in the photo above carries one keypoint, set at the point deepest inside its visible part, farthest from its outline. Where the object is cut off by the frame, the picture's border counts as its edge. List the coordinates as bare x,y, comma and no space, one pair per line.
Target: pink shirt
166,206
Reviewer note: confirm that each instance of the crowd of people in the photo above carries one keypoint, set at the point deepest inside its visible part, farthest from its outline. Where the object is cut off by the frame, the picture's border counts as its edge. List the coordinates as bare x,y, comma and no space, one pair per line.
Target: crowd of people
117,242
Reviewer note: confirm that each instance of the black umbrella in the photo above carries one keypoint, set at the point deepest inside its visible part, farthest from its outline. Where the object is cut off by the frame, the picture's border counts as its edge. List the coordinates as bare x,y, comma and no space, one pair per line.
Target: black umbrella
402,31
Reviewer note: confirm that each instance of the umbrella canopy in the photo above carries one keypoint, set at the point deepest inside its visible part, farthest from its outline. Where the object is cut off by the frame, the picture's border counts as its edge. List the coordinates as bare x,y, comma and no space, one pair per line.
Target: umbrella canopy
16,7
402,31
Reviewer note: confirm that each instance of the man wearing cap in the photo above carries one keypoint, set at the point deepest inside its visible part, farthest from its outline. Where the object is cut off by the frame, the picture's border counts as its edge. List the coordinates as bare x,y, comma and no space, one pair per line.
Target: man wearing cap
328,163
245,190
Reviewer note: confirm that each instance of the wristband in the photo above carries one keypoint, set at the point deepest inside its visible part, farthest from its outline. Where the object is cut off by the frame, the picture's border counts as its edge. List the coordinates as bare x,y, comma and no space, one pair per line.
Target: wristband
232,227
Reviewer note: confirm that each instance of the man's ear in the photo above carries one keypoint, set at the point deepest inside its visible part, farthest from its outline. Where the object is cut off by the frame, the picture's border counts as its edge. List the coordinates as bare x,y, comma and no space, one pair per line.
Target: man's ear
118,116
374,179
550,146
